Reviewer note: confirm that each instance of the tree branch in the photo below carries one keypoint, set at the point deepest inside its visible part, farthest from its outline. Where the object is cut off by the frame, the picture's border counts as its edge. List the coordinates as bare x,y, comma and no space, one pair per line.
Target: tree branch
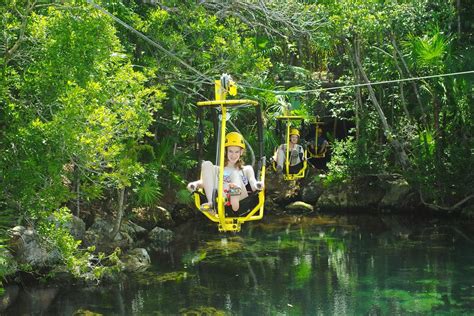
445,208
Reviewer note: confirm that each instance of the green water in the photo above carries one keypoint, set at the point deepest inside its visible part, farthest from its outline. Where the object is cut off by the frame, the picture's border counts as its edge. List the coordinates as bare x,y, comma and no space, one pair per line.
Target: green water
326,265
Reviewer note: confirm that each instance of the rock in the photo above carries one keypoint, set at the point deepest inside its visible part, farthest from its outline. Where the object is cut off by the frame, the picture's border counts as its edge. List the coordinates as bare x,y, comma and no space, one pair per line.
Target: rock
299,207
365,192
279,193
136,260
98,235
133,229
311,192
28,249
396,193
333,198
9,296
160,237
150,217
76,227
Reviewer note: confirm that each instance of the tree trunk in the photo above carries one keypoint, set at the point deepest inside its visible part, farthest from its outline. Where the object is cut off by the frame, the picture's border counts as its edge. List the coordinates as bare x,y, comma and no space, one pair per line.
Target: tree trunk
10,52
78,197
358,100
458,6
118,220
402,90
415,87
396,145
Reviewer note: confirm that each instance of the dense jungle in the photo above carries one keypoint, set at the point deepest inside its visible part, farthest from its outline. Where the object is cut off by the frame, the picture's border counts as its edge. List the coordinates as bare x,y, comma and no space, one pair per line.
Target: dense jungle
98,115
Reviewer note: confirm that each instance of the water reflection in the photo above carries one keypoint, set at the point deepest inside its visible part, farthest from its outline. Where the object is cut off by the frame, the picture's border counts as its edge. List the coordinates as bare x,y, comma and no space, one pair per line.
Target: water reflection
326,265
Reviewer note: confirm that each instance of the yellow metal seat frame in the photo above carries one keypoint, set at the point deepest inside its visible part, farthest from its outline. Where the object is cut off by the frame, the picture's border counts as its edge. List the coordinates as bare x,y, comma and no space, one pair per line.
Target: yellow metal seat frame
224,222
302,172
316,154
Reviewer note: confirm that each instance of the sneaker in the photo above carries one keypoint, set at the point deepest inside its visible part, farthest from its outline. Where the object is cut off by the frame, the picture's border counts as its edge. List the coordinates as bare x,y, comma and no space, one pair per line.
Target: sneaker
206,207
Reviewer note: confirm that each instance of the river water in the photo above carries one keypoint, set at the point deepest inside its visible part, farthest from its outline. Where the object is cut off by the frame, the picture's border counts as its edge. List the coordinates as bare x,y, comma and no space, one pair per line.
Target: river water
290,265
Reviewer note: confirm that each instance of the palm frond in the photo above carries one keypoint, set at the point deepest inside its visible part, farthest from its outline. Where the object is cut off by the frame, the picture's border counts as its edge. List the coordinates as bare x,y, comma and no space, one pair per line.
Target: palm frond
148,193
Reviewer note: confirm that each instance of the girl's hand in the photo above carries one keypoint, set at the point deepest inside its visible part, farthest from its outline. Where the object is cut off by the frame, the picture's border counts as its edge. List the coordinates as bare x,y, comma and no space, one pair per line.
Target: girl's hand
192,186
259,185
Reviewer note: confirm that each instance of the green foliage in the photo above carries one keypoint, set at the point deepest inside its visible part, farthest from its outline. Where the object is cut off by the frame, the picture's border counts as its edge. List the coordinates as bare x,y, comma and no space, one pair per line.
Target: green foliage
429,51
76,114
183,196
54,234
4,263
343,152
148,193
350,159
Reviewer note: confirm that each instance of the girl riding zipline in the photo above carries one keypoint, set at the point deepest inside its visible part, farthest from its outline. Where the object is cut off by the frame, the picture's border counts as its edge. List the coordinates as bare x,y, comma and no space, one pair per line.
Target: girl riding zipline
239,179
296,154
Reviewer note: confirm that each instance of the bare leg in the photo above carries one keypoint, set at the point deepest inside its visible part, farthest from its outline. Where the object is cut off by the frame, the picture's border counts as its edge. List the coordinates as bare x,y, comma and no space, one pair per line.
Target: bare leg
235,200
280,157
322,148
208,176
254,184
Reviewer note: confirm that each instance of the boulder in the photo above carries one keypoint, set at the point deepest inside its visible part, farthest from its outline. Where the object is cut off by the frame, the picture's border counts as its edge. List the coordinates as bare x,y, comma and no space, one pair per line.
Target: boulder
133,229
335,197
160,238
311,192
396,193
299,207
149,217
136,260
76,227
27,248
365,192
98,235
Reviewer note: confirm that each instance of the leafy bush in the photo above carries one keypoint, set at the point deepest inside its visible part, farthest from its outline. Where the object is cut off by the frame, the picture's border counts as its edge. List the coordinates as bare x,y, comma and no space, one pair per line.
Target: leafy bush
350,158
343,152
81,263
183,196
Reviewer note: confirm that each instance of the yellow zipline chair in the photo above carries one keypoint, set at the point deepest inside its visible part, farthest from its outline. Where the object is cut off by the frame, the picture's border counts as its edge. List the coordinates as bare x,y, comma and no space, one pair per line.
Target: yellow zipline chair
315,154
223,87
302,172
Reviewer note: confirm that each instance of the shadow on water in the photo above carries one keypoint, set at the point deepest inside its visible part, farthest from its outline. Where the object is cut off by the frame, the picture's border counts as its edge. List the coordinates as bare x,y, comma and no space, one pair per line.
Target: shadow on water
293,265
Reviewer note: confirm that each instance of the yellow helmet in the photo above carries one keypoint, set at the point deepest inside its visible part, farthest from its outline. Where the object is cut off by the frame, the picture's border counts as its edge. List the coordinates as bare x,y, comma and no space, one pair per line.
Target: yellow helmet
295,131
234,139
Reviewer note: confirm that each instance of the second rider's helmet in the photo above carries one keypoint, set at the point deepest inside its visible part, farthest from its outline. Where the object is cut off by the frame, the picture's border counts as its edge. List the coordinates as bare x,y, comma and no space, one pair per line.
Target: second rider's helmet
295,131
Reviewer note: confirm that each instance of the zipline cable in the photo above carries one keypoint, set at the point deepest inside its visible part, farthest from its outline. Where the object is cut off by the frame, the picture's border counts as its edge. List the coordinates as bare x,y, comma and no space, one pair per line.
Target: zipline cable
357,85
150,41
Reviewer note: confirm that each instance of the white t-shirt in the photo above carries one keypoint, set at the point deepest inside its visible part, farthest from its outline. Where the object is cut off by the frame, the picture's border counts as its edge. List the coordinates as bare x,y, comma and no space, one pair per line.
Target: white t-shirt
295,154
